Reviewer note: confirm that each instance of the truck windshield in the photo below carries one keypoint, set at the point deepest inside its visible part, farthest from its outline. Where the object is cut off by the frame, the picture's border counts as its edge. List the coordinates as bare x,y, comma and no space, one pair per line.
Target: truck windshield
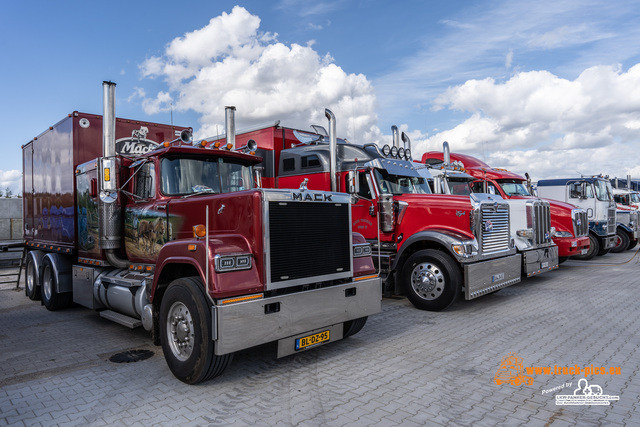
635,198
400,184
513,187
602,190
183,176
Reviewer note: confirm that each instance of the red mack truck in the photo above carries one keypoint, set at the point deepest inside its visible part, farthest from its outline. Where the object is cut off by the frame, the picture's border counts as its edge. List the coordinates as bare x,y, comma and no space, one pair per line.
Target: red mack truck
176,237
428,247
571,224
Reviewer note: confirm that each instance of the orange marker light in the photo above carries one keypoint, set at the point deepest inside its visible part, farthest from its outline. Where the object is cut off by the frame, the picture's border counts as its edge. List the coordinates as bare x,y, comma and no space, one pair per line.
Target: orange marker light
199,231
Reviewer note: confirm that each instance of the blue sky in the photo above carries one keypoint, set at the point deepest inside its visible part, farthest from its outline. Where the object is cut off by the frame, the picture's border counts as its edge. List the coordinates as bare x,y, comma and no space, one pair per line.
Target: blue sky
550,87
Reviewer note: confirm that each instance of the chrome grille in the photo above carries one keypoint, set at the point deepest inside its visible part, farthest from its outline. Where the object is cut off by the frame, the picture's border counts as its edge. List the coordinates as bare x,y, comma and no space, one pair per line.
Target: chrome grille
634,221
494,228
611,221
541,222
580,223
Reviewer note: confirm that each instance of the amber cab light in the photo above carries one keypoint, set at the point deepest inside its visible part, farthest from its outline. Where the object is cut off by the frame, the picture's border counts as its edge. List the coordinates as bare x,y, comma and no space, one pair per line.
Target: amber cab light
199,231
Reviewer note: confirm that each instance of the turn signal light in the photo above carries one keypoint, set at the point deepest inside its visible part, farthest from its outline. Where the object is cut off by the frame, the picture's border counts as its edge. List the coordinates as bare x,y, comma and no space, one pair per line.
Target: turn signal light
199,231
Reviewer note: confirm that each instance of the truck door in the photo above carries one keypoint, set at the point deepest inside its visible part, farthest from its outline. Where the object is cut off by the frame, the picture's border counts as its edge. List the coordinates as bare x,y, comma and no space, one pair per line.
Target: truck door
145,223
363,212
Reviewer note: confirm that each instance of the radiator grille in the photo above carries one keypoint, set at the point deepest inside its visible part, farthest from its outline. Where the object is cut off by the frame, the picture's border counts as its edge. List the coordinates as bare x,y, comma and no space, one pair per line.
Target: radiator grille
611,221
580,223
308,240
542,223
494,228
634,221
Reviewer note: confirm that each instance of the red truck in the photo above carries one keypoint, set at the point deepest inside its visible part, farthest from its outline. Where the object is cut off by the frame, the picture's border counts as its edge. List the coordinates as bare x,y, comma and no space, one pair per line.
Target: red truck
570,222
175,237
427,247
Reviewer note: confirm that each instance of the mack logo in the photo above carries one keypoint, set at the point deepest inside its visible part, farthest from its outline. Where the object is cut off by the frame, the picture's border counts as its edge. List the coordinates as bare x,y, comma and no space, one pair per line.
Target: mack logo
307,197
128,146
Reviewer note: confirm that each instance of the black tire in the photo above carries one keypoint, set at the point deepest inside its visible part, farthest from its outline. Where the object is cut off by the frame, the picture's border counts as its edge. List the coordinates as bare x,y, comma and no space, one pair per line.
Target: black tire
31,280
562,259
352,327
632,244
431,279
50,296
622,241
185,316
594,248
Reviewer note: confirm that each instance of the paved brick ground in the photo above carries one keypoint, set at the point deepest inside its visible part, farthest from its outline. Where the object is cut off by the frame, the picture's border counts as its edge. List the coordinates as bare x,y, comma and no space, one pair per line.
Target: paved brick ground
406,366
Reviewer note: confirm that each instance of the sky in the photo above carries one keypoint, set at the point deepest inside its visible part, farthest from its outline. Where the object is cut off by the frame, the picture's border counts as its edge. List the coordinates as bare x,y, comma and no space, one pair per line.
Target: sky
551,88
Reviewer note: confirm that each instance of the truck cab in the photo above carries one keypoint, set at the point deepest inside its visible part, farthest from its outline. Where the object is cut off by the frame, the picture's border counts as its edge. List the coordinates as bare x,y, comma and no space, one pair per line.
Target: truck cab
530,217
179,239
627,219
569,223
594,195
428,247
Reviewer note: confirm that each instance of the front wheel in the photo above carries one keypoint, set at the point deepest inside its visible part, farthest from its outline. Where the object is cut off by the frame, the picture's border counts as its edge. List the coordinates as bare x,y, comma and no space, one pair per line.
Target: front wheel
622,241
432,280
632,244
185,333
352,327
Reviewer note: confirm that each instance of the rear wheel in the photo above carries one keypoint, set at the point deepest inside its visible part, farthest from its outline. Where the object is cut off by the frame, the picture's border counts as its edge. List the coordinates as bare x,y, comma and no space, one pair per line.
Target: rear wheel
185,333
51,298
352,327
431,279
31,280
594,248
622,241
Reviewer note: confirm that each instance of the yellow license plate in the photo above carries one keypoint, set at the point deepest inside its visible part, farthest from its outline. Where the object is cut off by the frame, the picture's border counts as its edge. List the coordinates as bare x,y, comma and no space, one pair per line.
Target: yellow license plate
308,341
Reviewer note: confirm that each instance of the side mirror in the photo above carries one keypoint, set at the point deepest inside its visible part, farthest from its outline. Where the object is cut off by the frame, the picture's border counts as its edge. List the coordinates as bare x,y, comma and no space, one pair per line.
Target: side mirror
353,183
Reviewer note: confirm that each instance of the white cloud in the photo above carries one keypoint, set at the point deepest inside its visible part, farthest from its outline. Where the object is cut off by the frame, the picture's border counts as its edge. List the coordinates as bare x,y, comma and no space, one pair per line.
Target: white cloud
11,179
547,125
230,62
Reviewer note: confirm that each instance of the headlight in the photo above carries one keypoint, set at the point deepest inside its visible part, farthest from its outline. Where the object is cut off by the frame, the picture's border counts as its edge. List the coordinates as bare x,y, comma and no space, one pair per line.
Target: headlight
361,250
224,263
526,233
562,234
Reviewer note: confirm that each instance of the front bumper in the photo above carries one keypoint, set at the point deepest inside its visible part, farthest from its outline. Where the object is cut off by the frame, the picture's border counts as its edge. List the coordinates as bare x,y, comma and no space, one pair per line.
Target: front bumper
537,261
609,242
246,324
570,246
484,277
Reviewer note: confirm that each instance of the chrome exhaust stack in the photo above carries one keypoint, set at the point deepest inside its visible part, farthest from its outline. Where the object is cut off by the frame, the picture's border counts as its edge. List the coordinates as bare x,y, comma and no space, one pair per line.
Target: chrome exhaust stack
333,148
396,136
109,208
230,124
446,154
407,146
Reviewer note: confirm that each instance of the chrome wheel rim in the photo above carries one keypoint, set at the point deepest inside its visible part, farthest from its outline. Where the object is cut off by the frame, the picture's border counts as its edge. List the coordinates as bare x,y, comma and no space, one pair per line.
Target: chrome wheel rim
180,331
31,278
47,283
427,281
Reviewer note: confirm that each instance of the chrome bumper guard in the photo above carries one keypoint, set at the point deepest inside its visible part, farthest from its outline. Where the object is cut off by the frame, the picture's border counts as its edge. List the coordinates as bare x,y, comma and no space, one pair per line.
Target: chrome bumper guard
247,324
609,242
538,261
488,276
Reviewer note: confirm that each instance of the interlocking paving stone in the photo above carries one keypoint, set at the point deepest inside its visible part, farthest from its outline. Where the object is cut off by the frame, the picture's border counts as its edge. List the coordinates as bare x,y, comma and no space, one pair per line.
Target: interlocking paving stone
405,367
